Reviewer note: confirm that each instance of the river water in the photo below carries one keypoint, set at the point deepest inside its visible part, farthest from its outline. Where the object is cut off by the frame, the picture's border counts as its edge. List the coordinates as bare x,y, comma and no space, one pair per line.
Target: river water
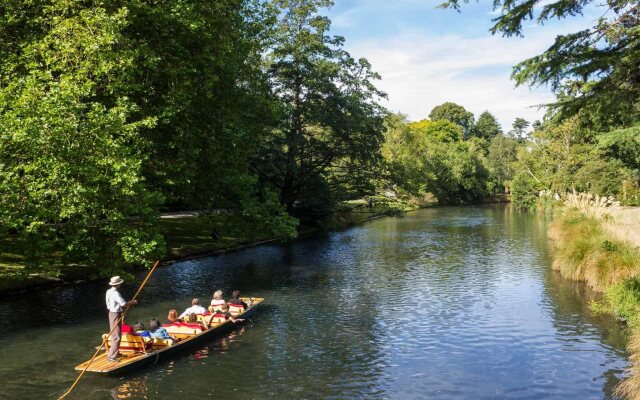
443,303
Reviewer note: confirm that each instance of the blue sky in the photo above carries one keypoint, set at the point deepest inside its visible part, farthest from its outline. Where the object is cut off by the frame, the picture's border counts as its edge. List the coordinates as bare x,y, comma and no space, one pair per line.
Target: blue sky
427,55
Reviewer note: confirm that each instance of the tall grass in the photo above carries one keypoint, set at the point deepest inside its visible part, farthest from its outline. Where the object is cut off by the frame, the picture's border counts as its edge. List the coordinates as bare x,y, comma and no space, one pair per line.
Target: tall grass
587,252
591,247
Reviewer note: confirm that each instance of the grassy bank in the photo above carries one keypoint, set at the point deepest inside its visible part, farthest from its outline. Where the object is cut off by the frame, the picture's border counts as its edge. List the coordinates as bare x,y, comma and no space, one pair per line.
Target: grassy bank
593,247
185,236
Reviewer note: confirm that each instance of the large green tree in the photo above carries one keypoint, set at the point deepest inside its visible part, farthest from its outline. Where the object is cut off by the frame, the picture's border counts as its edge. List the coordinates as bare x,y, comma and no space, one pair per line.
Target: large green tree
487,126
330,124
71,180
502,154
432,157
455,113
519,129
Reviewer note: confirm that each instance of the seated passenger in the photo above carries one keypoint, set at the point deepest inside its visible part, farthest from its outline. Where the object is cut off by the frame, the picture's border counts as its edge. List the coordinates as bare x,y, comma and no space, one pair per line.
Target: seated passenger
217,301
195,308
235,300
157,331
138,328
193,319
224,313
126,328
172,316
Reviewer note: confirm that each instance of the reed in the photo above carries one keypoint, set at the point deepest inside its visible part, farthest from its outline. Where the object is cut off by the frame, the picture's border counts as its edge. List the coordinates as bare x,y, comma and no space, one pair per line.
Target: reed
630,387
587,252
592,246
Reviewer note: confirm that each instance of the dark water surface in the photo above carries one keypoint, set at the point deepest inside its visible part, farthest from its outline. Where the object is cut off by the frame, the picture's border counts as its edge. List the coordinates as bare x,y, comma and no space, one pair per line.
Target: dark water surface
446,303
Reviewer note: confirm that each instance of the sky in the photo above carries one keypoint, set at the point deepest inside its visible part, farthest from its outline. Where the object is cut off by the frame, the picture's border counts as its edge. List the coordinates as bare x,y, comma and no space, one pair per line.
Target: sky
428,56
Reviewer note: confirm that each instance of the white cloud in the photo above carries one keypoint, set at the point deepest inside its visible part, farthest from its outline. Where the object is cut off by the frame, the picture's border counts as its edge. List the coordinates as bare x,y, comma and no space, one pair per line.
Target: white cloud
421,70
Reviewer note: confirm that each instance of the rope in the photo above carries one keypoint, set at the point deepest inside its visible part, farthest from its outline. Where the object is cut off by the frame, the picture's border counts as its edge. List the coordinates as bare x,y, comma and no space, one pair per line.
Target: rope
124,313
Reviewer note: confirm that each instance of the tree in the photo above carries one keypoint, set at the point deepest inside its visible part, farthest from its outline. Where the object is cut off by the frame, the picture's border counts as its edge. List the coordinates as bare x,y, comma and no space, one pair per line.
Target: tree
198,73
431,156
331,126
595,69
487,126
519,130
71,178
455,113
500,158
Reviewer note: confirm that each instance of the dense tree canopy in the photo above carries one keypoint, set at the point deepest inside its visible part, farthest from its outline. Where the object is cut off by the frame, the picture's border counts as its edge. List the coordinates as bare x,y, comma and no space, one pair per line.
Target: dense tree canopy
432,156
487,126
455,113
71,163
330,126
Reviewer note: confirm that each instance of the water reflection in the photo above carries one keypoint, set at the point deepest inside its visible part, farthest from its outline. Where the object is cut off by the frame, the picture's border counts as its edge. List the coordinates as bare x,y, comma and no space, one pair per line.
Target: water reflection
443,303
131,389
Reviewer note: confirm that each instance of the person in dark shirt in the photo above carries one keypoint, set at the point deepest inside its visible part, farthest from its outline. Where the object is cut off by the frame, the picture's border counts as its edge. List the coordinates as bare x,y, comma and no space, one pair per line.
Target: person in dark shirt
224,313
139,329
235,300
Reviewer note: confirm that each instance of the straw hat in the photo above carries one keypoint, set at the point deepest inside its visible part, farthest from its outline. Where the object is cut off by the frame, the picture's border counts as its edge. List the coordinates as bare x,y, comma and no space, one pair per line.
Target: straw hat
116,280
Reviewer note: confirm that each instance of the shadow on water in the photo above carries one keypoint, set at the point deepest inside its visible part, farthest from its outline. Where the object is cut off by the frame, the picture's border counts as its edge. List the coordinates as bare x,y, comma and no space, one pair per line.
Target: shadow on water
442,303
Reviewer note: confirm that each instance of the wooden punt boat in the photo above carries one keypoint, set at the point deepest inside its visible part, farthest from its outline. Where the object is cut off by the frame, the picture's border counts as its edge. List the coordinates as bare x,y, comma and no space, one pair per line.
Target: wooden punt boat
134,359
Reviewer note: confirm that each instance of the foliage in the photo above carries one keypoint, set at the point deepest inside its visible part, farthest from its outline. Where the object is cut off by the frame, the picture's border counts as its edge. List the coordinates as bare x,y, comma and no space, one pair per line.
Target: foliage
487,126
501,156
111,112
71,167
431,156
329,128
198,72
519,130
562,157
623,145
455,113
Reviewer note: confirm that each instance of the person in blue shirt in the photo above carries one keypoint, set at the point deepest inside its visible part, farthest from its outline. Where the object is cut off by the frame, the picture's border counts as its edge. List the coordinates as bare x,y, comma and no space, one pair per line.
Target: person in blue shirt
156,330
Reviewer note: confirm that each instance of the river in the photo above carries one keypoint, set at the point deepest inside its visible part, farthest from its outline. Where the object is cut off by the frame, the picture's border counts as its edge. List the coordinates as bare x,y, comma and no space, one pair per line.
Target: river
443,303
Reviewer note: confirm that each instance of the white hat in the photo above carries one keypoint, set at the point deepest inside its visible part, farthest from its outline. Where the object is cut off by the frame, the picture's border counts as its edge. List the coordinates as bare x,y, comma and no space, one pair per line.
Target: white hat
116,280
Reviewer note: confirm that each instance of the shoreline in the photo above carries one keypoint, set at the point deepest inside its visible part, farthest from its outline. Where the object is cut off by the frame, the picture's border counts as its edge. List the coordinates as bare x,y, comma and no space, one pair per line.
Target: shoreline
40,282
355,214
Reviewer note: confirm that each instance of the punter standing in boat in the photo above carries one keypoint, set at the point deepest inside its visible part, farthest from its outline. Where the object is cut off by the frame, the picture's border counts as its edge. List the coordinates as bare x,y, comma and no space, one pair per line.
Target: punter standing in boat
116,305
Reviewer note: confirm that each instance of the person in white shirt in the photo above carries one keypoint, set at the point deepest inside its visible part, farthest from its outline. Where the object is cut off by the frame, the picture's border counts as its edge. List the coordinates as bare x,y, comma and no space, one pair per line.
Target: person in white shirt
217,301
116,305
195,308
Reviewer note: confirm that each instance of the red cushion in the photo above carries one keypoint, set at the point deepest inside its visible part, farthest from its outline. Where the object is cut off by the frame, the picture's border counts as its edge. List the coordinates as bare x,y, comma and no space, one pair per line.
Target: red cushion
126,328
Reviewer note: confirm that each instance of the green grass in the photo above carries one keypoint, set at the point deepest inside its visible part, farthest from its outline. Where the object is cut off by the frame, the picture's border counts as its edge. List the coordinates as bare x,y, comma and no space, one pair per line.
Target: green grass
187,236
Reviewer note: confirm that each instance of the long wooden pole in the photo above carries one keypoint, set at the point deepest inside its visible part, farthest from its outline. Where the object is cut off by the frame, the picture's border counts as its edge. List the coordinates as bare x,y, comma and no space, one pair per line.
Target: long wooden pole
124,313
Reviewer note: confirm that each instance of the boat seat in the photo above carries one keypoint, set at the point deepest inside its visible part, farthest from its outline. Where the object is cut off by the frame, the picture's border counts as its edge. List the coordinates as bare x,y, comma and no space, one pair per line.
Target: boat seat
204,318
235,309
182,330
161,343
218,319
131,343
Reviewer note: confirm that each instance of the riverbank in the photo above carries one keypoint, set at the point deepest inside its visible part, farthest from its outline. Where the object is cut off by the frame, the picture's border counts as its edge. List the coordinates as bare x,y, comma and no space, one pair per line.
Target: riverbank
602,248
188,235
